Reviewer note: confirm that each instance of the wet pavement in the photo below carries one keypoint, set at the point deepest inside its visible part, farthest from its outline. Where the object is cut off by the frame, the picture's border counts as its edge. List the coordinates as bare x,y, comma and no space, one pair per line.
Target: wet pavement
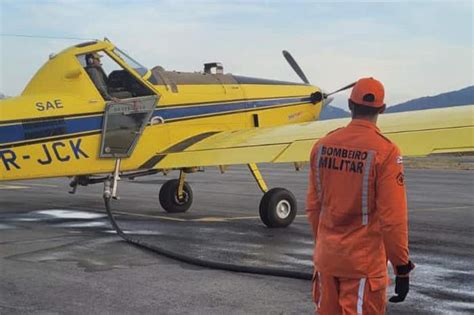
58,253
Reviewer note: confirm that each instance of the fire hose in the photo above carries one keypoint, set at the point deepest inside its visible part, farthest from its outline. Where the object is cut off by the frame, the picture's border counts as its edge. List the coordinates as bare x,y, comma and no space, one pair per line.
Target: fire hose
268,271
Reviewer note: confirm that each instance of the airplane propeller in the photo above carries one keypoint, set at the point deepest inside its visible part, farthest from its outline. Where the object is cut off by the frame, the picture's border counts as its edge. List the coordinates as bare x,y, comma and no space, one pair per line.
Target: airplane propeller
341,89
317,96
295,66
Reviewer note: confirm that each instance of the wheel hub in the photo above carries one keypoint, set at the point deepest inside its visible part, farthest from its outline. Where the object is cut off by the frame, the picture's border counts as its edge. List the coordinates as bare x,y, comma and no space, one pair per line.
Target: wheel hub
183,200
283,209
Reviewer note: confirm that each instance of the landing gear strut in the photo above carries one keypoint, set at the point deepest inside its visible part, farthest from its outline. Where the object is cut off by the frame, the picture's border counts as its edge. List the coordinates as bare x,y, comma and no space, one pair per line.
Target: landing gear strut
176,195
277,206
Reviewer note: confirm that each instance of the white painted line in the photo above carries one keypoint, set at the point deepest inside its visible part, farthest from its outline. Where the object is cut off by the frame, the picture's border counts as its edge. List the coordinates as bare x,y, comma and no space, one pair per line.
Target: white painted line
209,219
6,187
442,209
256,217
151,216
44,185
70,214
203,219
227,219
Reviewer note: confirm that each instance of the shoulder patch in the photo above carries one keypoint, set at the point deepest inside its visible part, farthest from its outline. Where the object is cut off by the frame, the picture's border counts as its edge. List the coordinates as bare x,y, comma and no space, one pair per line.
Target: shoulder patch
385,138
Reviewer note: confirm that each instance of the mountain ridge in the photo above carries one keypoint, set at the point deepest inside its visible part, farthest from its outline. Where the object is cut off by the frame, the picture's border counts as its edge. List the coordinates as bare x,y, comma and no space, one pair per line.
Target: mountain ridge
464,96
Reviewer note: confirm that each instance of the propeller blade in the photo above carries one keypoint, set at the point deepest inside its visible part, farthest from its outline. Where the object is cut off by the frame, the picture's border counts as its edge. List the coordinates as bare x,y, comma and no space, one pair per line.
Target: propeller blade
341,89
295,66
328,101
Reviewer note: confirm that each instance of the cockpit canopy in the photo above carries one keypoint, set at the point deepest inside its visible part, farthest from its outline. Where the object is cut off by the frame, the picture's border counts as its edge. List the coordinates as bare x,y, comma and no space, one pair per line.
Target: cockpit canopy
132,63
111,72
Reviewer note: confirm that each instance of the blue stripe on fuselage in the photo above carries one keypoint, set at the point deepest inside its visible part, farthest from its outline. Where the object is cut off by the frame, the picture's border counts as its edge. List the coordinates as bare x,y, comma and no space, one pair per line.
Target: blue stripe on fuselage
188,112
16,132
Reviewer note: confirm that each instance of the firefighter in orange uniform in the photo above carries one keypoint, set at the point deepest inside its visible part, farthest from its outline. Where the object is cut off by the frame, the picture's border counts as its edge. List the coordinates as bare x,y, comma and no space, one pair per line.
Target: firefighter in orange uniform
357,208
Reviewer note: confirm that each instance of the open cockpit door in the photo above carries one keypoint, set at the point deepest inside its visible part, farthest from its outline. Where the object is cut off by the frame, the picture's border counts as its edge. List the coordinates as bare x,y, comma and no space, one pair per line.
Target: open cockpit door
123,125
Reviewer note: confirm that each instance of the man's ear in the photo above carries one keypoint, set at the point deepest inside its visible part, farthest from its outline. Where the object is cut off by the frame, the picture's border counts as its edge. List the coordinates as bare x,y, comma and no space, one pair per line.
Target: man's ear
382,109
351,106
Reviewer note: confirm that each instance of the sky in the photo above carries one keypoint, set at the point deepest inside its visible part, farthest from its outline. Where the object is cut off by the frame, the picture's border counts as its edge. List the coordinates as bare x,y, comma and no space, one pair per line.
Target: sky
416,48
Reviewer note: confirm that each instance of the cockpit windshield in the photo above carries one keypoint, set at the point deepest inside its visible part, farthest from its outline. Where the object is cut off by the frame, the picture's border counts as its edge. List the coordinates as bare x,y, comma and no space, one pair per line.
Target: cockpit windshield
141,70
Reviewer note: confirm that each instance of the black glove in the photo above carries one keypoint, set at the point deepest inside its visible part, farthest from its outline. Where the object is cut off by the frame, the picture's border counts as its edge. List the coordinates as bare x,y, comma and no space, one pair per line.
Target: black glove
402,282
402,286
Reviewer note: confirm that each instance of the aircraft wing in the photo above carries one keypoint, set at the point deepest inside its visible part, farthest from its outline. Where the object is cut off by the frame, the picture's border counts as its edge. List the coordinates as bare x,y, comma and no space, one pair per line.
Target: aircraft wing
417,133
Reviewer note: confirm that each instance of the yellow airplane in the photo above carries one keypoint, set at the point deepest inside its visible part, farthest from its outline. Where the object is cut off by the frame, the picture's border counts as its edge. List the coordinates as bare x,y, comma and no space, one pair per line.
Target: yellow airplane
77,117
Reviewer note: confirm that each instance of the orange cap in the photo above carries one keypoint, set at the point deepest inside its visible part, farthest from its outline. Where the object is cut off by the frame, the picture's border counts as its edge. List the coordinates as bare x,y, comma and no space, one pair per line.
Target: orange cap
368,92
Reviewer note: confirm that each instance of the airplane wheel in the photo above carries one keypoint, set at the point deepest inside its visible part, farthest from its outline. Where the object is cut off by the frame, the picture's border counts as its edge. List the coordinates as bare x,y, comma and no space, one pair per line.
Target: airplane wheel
277,208
169,197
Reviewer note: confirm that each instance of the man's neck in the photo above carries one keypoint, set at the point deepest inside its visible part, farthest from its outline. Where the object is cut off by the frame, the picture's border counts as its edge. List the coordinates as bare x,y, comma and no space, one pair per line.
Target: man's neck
372,119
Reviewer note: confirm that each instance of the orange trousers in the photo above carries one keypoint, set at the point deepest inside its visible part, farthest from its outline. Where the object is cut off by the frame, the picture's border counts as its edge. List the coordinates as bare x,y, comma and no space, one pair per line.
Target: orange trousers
345,296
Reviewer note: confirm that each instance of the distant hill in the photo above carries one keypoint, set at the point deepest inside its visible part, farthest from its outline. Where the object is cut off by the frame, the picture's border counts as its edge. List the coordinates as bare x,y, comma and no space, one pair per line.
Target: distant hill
331,112
455,98
460,97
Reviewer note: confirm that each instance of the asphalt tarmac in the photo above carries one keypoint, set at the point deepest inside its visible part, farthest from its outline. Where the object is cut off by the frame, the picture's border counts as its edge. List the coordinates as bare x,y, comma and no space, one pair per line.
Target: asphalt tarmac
58,253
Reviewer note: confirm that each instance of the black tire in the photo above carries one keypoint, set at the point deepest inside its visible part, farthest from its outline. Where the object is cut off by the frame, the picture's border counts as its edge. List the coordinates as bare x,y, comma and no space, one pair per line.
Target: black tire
262,209
169,197
277,208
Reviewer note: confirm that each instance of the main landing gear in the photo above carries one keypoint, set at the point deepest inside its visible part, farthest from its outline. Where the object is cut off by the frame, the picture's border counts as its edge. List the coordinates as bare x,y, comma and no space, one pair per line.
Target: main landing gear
176,195
277,207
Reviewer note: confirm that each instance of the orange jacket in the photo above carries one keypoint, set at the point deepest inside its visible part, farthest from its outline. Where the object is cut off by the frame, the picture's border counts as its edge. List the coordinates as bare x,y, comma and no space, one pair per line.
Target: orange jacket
356,202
